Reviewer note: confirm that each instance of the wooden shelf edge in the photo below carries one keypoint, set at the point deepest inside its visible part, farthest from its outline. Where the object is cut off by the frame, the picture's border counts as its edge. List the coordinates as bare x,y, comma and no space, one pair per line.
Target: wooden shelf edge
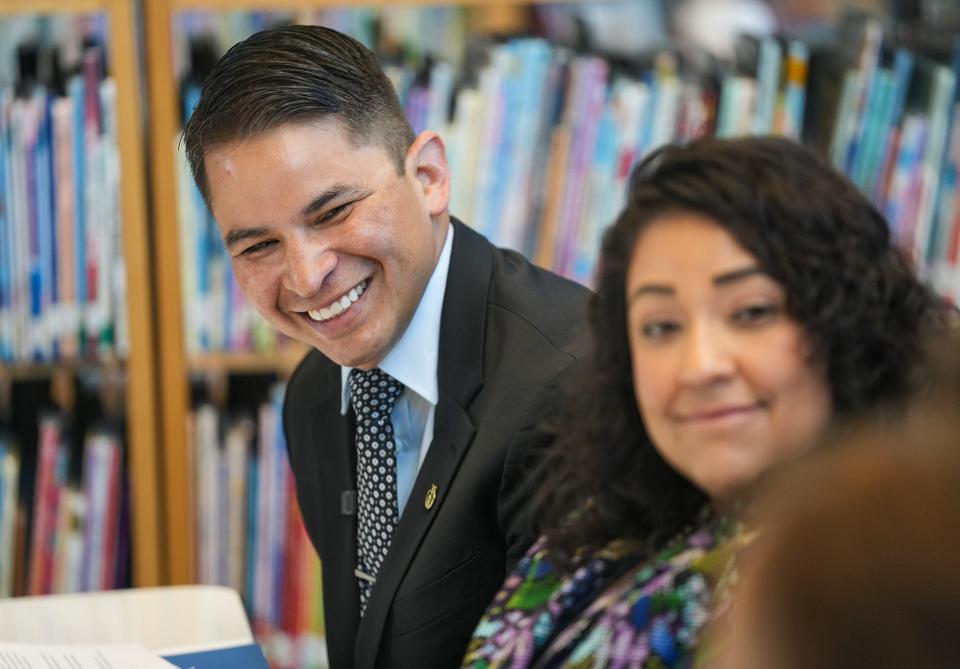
8,7
181,5
26,371
142,410
281,362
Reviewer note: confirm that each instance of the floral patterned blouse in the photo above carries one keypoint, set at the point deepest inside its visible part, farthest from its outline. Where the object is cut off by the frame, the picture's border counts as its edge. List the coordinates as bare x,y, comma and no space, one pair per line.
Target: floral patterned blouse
614,610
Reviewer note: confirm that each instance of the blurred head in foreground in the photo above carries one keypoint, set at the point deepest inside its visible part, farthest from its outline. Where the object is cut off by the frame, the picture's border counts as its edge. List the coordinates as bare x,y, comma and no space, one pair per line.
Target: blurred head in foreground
859,565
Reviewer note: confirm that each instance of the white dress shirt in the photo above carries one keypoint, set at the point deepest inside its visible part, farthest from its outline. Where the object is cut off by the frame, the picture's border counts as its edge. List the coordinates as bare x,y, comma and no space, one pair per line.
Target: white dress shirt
413,362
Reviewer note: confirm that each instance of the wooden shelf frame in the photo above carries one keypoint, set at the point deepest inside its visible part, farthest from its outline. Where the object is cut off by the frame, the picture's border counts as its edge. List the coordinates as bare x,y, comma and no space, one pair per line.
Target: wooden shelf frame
149,562
281,362
181,5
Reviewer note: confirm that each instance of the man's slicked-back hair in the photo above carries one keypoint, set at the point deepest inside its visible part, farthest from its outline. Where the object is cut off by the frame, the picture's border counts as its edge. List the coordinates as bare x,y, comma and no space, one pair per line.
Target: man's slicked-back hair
295,74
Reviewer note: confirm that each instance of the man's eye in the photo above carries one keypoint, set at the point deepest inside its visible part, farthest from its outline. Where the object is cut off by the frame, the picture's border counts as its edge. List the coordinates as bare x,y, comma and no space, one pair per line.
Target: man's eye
335,213
259,246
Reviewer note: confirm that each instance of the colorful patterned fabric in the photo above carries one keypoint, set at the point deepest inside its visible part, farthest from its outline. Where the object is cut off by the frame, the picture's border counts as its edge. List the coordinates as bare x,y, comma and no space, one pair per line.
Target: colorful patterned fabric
614,610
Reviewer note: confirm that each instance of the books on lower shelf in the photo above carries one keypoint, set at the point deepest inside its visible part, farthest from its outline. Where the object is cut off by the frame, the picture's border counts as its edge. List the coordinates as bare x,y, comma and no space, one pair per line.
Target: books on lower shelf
249,533
70,535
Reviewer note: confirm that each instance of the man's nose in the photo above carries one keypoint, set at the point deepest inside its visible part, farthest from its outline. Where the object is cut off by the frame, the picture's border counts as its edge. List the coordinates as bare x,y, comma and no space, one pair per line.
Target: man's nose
307,268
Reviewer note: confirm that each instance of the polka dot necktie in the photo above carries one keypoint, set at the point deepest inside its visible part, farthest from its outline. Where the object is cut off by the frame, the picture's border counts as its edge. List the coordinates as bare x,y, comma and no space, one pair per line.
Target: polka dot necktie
373,394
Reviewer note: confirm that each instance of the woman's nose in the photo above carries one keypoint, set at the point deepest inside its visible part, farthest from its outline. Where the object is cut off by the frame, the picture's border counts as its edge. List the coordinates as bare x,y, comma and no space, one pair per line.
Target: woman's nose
707,356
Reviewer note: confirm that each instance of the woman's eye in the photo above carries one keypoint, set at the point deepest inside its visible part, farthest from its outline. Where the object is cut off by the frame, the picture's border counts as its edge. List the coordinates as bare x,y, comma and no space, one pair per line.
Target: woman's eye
757,313
659,329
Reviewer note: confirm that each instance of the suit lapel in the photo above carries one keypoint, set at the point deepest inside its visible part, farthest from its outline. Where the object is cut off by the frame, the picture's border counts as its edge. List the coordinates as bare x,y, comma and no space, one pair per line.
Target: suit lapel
450,442
460,376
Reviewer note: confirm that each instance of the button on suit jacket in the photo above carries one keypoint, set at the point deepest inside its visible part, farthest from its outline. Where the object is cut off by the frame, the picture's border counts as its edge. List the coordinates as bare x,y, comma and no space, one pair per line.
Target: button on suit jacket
511,336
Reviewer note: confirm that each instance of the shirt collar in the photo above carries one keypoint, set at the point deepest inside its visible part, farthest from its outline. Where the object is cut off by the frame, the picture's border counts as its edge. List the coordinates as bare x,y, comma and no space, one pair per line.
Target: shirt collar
413,359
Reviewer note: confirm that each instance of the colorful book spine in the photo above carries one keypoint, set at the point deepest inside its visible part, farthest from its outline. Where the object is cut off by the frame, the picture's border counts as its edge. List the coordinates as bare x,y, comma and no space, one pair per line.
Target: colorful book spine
769,68
102,484
45,502
9,488
66,205
7,248
795,90
244,474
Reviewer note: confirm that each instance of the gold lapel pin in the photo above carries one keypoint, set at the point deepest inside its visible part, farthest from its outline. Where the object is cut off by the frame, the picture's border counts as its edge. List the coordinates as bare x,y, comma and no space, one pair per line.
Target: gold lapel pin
430,498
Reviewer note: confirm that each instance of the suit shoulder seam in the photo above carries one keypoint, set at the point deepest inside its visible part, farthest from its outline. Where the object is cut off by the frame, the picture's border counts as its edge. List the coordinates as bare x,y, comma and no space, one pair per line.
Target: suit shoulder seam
535,328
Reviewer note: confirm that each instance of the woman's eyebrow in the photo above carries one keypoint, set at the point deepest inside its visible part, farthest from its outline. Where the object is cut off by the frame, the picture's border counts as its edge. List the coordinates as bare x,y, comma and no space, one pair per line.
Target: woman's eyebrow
737,275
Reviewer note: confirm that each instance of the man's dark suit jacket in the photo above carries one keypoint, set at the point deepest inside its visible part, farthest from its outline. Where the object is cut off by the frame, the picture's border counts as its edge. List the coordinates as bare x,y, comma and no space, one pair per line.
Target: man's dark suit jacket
510,335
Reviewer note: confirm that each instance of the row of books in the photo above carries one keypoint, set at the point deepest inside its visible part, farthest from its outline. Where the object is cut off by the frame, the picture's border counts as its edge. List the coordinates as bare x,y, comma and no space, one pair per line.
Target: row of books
540,141
72,533
897,136
249,532
396,30
62,272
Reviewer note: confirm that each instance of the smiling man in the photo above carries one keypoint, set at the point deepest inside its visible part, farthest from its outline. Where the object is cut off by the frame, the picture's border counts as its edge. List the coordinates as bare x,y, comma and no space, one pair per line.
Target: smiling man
413,425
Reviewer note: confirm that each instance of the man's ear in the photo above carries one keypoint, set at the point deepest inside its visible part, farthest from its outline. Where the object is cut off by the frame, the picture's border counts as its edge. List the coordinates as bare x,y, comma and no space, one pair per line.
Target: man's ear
426,162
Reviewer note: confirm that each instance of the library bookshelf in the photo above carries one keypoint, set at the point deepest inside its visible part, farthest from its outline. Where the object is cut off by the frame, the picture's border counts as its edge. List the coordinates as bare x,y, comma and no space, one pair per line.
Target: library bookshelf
176,365
149,559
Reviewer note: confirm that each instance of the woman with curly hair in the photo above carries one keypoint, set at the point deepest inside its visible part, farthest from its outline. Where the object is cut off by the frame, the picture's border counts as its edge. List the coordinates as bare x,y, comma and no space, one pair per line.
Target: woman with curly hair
749,300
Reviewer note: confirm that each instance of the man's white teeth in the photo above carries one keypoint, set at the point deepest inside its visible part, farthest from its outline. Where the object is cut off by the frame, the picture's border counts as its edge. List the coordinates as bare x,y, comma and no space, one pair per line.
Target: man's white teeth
340,305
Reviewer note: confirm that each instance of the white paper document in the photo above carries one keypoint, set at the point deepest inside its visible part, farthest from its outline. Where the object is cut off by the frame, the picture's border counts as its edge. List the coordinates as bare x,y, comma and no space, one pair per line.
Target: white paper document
121,656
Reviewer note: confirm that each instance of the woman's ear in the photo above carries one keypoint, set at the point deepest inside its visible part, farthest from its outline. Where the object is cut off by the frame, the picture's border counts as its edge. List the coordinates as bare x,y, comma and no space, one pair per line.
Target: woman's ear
426,161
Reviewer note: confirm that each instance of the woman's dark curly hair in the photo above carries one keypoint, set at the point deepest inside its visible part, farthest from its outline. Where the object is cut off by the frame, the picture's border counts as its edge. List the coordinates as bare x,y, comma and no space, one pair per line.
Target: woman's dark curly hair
851,289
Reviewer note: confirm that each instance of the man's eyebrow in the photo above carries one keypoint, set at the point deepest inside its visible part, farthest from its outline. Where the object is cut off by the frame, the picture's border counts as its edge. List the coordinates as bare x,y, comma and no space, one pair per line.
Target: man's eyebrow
335,191
234,237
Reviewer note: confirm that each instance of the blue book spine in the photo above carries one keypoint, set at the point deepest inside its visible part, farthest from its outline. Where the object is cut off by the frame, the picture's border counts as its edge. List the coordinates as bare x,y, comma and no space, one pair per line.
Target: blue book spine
795,94
204,232
45,222
601,172
35,233
768,85
860,122
223,513
866,165
940,241
902,71
278,523
504,152
645,133
535,94
55,249
253,532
